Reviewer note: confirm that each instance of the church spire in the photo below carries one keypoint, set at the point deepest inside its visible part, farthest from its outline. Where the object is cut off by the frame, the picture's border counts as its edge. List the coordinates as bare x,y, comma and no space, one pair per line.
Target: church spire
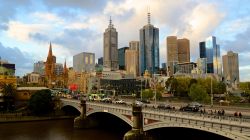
50,50
65,65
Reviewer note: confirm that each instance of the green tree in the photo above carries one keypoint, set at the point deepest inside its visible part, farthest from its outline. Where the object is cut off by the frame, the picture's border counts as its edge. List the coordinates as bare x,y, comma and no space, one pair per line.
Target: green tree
197,93
41,102
147,94
9,91
182,88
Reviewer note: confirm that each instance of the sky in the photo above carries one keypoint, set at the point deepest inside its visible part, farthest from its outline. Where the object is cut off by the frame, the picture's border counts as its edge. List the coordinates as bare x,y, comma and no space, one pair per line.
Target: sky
74,26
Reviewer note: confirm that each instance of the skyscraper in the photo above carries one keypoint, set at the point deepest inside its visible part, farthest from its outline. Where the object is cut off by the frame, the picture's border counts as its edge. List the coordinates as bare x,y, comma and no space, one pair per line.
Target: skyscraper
178,51
149,48
231,67
134,45
183,50
121,58
211,51
202,46
172,54
132,58
110,44
84,62
39,67
131,62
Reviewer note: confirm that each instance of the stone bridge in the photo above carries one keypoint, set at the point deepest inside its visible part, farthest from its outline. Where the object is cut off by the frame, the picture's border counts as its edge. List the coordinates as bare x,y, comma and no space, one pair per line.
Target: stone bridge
144,119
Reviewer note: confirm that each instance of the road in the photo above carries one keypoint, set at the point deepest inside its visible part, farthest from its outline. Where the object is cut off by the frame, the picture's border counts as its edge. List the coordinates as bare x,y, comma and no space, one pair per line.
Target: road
229,110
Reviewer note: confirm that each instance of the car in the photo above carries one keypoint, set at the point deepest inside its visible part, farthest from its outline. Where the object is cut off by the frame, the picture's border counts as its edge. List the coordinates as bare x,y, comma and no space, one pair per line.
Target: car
119,101
107,100
196,104
145,101
165,106
139,103
189,107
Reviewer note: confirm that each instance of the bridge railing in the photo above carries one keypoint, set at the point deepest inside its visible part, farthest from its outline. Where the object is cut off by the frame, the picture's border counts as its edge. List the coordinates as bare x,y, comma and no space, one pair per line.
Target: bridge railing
180,118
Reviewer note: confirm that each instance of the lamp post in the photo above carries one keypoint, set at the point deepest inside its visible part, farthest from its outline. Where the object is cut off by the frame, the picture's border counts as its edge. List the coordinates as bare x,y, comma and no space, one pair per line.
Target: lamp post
211,92
141,88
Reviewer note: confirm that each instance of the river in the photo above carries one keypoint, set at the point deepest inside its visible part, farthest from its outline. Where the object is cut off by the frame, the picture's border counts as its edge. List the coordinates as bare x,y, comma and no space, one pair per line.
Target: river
52,130
63,130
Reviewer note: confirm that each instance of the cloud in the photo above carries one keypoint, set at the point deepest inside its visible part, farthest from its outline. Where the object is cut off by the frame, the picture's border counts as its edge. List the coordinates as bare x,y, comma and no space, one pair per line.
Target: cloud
86,5
241,42
24,62
21,31
8,11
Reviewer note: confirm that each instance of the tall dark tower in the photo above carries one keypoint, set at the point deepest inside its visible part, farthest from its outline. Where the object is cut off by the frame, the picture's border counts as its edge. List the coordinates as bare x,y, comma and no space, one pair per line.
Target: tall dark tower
110,44
149,48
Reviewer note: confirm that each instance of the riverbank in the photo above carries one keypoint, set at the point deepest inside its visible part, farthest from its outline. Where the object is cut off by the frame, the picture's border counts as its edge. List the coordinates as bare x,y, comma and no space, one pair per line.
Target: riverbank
32,118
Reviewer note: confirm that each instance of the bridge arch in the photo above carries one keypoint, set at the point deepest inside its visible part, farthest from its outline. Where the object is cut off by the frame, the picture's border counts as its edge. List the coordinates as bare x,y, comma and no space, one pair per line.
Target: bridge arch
225,133
118,115
72,104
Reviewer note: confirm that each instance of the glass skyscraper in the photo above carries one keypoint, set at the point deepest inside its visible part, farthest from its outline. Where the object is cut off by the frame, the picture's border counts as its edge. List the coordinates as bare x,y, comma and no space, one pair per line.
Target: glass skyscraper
121,57
211,51
149,48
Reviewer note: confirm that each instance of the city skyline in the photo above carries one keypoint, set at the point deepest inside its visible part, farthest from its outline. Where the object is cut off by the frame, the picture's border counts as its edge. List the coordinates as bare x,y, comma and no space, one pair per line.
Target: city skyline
78,26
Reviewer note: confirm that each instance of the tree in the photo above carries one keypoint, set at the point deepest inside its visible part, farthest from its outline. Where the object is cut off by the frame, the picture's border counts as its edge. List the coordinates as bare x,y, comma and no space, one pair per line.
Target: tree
147,94
182,88
221,88
197,93
9,92
41,102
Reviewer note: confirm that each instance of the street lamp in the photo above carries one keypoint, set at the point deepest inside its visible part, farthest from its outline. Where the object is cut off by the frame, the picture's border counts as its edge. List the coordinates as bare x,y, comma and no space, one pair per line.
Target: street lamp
141,88
211,91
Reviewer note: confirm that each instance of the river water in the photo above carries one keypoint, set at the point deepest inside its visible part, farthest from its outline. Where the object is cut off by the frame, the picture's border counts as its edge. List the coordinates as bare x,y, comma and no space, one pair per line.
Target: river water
63,130
52,130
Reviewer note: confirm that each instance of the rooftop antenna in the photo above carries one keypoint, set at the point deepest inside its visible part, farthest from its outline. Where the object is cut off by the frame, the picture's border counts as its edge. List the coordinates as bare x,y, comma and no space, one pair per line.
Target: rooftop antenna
148,9
110,22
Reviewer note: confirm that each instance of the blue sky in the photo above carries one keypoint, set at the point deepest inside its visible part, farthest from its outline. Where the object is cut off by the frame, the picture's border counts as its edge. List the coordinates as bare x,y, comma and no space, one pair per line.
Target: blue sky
73,26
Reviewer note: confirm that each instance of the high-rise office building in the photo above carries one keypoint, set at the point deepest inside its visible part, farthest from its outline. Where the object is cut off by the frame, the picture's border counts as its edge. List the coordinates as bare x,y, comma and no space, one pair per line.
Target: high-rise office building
84,62
110,44
134,45
149,48
39,67
202,46
100,61
172,54
183,50
211,51
231,67
132,61
121,57
202,65
178,51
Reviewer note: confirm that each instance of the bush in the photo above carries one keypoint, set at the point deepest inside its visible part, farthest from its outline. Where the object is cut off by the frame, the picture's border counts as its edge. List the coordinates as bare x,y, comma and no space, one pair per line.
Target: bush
41,102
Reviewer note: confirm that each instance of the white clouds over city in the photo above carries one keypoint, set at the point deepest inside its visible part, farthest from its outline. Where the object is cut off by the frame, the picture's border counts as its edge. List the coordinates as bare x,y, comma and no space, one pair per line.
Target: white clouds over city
75,26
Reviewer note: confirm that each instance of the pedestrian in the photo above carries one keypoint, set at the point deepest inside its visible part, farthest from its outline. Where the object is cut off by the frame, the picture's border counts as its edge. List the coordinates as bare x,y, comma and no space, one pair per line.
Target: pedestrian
223,112
236,114
240,115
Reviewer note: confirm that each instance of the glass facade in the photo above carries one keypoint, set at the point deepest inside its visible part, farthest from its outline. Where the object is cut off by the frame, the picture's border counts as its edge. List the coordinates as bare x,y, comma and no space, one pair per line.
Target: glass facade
202,49
149,49
211,51
121,57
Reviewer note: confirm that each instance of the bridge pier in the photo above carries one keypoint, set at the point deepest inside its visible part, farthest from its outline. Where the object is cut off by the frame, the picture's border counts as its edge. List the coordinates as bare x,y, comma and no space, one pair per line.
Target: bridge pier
137,129
82,122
